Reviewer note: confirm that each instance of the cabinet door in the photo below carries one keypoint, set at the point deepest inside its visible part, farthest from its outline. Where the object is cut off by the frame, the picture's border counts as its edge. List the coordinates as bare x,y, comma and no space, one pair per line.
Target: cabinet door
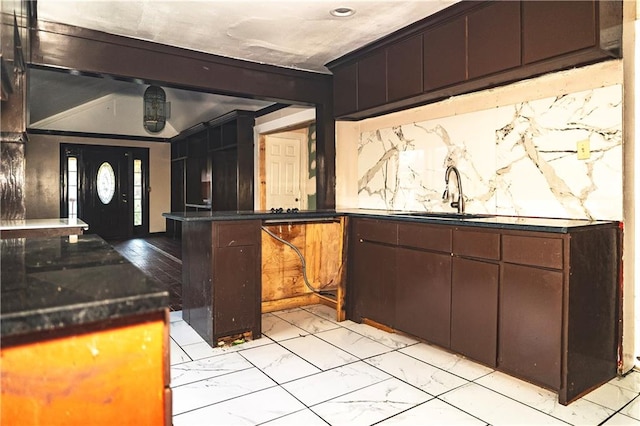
345,95
404,68
494,38
235,290
373,281
372,80
552,28
445,55
530,324
423,295
236,278
474,309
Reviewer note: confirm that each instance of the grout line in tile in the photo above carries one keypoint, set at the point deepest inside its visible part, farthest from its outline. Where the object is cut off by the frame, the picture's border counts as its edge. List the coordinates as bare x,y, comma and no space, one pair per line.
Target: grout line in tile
439,397
222,375
226,400
537,409
620,410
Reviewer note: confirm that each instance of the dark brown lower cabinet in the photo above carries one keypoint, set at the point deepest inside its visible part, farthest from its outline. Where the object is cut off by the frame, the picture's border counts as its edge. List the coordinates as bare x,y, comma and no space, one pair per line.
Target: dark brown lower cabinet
542,306
221,278
559,308
372,271
373,281
423,295
531,323
474,309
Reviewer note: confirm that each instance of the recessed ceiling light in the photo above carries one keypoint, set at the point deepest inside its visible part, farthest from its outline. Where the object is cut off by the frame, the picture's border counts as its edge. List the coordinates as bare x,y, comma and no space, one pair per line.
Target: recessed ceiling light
342,12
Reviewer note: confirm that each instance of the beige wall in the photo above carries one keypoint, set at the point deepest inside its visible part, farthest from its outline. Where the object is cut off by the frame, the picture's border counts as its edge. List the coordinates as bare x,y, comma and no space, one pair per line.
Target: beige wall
42,189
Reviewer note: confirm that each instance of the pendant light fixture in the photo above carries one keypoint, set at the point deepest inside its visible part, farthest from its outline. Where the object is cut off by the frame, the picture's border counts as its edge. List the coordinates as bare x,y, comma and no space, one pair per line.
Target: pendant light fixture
155,113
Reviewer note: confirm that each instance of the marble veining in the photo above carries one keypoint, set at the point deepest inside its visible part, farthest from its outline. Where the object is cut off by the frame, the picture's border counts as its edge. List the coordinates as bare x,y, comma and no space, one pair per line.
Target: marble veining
209,367
371,404
582,411
394,341
216,389
417,373
307,321
336,382
452,363
518,159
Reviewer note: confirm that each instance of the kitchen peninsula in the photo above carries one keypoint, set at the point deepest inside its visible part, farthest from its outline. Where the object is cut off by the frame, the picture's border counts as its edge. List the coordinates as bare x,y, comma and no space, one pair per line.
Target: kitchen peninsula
537,298
85,335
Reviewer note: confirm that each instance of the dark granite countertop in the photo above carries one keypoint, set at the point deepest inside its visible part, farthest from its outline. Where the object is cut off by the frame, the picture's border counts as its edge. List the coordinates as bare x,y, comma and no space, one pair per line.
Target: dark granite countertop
50,283
199,216
541,224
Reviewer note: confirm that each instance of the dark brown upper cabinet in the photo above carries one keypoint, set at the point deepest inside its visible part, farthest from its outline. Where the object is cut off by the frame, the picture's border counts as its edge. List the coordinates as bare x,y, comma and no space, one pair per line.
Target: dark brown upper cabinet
372,80
404,68
552,28
345,94
445,55
493,38
471,46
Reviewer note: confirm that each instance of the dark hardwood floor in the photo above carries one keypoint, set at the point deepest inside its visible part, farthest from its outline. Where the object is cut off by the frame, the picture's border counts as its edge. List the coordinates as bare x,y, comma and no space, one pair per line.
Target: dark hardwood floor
159,257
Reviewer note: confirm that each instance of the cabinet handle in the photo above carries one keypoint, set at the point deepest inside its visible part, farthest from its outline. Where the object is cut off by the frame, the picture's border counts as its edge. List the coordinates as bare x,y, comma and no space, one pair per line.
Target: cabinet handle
361,240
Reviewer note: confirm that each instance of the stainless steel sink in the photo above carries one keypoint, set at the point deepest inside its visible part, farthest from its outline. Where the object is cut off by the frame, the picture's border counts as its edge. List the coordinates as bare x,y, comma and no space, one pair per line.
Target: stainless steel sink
444,215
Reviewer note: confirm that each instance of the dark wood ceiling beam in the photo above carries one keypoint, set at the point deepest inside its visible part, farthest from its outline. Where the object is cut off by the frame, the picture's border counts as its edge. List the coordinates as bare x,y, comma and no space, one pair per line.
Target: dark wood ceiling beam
72,48
67,47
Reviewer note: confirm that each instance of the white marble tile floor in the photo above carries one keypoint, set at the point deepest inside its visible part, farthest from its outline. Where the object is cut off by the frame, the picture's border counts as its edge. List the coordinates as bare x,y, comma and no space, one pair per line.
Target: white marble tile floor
309,369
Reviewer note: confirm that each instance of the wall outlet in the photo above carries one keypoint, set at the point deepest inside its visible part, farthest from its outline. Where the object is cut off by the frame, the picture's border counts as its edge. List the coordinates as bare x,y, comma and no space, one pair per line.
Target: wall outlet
584,151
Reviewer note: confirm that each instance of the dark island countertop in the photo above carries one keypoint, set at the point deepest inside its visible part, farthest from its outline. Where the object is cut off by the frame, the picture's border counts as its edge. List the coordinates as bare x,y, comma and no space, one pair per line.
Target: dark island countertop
525,223
51,283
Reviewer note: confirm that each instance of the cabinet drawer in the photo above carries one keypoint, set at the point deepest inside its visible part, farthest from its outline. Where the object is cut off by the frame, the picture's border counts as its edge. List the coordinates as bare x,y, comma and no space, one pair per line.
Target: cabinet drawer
484,245
236,234
535,251
377,231
425,237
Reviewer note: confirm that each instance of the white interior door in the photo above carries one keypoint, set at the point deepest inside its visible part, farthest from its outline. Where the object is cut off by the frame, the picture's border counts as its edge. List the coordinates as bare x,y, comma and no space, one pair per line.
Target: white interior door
283,174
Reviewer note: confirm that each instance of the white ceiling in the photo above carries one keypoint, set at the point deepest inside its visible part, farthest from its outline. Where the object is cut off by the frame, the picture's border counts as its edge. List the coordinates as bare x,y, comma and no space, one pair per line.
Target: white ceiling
298,34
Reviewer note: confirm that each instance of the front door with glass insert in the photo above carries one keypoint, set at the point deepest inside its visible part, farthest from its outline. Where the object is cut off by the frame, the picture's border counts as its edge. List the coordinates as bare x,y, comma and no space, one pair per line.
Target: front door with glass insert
106,193
107,188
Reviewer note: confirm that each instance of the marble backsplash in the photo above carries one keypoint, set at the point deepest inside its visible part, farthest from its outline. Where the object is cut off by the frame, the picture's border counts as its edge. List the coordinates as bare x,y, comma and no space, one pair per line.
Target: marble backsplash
518,159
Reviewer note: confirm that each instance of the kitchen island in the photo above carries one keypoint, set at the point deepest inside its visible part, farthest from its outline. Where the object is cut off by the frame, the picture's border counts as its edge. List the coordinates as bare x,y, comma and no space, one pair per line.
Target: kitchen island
84,335
537,298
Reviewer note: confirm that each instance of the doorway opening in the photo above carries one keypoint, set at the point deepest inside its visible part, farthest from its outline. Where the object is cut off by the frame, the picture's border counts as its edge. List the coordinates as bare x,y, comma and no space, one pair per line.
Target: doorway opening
106,187
287,168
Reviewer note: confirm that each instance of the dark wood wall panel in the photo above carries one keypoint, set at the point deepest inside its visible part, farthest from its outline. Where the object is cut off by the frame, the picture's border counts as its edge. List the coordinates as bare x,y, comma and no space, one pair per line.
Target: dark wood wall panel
12,180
